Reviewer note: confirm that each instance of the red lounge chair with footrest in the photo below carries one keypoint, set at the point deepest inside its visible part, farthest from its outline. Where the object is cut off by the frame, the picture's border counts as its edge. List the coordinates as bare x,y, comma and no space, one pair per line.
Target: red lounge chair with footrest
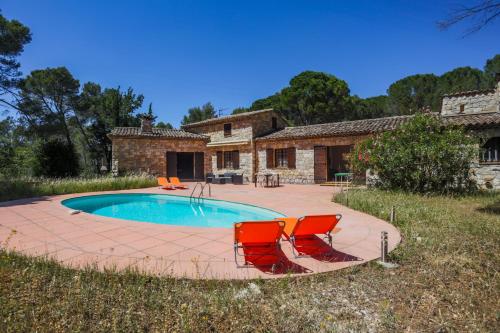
259,241
177,183
301,230
164,183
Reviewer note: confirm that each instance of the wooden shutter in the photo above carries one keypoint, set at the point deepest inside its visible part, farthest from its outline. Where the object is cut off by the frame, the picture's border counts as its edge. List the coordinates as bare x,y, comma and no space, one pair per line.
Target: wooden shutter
171,164
320,167
199,163
270,158
291,158
219,160
236,159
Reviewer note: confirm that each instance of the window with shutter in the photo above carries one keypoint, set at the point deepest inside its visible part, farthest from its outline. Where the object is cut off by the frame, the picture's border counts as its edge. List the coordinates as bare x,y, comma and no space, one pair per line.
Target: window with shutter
291,158
269,158
281,158
236,159
228,160
219,160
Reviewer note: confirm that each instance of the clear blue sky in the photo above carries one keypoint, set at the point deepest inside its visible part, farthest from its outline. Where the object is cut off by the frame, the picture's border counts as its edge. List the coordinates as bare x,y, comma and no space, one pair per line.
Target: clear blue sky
181,54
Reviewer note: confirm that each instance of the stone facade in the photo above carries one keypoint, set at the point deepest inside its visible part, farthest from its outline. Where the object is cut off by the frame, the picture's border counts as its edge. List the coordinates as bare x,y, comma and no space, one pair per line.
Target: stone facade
310,167
487,174
246,160
243,133
472,102
252,134
149,154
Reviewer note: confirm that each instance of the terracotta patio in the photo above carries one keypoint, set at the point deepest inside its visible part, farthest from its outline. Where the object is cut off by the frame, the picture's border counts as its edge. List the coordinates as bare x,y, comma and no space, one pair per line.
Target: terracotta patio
44,227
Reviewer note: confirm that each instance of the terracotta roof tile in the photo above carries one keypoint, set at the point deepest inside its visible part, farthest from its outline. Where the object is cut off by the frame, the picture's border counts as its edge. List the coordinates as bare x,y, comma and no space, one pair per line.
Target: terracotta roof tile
470,93
369,126
344,128
226,118
156,132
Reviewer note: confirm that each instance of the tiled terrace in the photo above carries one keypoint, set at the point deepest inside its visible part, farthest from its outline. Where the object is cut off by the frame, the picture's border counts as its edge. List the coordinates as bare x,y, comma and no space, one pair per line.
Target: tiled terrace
44,227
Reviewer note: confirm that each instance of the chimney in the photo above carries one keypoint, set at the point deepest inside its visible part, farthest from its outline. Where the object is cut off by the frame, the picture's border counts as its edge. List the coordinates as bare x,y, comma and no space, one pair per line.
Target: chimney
146,124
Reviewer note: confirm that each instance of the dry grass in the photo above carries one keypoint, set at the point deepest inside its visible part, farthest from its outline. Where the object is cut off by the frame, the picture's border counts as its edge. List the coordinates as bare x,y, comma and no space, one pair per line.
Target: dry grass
448,281
11,189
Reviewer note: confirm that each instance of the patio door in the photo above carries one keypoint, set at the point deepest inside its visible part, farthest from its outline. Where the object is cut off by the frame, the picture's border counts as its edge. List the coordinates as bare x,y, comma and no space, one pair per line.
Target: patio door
171,164
320,167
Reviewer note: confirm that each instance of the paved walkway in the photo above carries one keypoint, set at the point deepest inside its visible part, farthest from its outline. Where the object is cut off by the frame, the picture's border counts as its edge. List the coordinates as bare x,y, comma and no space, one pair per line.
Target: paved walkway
42,226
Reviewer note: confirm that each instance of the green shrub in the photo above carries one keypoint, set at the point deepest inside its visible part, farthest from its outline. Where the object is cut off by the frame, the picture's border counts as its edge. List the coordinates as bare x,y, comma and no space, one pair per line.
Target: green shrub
56,158
422,156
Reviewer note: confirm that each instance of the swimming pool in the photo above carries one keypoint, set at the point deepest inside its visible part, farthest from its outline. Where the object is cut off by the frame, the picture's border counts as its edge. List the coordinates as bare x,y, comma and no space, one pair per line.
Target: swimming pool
170,209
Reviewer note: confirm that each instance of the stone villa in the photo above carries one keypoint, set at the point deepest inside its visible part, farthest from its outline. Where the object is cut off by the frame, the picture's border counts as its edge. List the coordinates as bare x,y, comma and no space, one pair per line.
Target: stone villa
259,142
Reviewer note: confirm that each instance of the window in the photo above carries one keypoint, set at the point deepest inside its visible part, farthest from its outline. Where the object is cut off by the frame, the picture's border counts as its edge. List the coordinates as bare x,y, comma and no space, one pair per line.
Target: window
274,123
462,108
228,159
227,130
281,158
490,151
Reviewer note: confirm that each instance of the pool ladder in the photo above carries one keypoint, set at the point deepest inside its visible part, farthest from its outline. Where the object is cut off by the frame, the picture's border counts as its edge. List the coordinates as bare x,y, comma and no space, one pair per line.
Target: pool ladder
198,199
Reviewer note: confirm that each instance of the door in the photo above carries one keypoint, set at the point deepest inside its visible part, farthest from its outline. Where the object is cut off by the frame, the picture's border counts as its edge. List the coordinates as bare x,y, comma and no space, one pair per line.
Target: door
337,160
320,167
199,163
171,164
185,165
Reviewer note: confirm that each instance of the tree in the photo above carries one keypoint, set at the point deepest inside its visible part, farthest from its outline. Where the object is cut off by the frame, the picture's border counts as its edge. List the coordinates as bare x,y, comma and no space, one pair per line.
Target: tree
270,102
7,152
197,113
56,158
101,111
163,125
461,79
421,156
47,100
148,114
483,13
240,110
412,94
367,108
13,37
491,70
315,97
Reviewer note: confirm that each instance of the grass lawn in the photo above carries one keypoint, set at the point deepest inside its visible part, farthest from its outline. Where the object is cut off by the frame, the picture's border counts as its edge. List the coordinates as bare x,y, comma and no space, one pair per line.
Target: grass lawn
11,189
447,281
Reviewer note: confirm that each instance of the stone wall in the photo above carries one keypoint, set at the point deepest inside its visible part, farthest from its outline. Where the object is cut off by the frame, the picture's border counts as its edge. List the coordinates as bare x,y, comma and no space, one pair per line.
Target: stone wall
487,174
246,160
472,103
241,129
149,154
305,159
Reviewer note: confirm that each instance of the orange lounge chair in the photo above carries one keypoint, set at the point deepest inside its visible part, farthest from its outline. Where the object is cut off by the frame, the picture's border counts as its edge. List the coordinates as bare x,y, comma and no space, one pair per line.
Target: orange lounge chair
306,228
260,242
177,183
163,182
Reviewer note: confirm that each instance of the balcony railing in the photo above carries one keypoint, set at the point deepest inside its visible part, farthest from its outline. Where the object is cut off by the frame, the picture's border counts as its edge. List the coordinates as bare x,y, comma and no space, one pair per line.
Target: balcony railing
489,155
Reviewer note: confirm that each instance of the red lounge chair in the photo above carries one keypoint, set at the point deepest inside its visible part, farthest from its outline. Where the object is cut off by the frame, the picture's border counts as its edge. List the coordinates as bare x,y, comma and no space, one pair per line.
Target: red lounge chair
260,242
177,183
163,182
302,230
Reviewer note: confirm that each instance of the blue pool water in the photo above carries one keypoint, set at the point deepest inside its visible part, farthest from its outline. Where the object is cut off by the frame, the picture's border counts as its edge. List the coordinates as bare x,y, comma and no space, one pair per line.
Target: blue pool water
169,209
